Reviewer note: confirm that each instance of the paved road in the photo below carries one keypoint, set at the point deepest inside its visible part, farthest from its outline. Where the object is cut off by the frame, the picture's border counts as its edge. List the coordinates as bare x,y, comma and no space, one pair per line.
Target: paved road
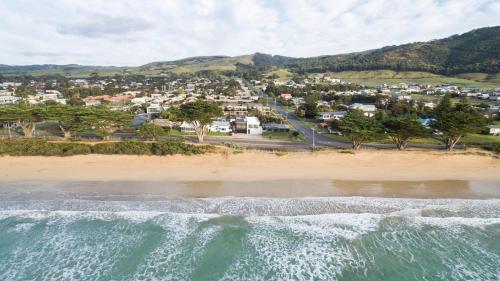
312,137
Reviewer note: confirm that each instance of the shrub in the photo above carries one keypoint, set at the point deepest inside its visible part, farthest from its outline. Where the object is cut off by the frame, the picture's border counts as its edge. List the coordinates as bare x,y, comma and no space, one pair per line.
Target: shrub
495,148
127,147
171,148
40,147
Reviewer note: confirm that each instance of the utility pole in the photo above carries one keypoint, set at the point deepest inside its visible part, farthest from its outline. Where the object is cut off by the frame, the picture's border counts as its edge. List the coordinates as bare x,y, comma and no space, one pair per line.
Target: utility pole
314,145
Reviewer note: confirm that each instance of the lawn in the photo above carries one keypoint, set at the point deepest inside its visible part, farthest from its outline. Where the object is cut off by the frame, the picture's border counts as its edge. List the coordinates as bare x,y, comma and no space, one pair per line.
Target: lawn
480,139
308,122
283,136
469,139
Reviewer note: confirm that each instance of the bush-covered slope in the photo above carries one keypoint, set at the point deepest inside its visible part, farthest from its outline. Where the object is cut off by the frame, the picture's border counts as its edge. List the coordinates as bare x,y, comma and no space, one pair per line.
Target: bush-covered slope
474,51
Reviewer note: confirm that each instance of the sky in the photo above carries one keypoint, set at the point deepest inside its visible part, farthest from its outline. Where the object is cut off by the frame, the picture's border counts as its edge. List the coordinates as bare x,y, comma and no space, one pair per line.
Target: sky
136,32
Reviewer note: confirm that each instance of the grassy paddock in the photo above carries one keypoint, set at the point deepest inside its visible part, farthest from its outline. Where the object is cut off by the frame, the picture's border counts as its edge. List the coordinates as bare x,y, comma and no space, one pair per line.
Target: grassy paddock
375,77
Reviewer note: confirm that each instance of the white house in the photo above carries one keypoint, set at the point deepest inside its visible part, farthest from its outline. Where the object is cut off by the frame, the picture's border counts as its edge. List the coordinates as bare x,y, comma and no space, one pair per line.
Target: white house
186,127
494,130
154,109
220,126
253,126
331,115
141,100
52,95
92,102
368,109
8,99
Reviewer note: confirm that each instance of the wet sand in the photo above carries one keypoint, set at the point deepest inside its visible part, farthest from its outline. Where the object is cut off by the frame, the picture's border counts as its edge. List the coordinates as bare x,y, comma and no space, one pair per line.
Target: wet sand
101,190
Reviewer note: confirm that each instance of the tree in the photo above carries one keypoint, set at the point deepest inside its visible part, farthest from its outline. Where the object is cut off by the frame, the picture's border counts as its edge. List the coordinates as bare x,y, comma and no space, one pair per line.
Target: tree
69,118
199,114
402,129
455,122
26,116
106,121
310,105
151,130
454,125
358,127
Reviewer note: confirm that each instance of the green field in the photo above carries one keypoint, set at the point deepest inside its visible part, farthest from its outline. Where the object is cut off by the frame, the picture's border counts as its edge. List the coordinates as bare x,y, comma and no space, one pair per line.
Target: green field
376,77
283,137
282,73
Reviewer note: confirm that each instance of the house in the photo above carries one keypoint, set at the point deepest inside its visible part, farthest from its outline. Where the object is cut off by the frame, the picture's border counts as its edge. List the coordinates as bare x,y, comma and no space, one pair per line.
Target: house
336,115
8,99
429,104
141,100
186,127
368,109
253,126
52,95
247,125
276,128
266,110
92,102
286,96
165,123
154,109
220,126
404,97
494,130
235,109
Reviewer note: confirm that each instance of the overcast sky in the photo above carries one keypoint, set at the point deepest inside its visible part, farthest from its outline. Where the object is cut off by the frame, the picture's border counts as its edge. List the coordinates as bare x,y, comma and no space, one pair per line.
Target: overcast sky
133,32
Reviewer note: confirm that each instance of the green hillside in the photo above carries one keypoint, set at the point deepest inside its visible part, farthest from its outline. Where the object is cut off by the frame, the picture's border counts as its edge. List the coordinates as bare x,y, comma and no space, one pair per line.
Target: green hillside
474,51
191,65
376,77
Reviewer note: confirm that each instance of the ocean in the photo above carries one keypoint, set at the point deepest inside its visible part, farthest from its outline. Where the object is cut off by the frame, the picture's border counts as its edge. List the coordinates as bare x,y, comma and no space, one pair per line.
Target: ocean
151,237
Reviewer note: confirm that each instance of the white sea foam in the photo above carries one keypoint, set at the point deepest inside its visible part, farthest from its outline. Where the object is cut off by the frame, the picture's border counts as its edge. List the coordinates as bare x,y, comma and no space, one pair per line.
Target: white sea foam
273,206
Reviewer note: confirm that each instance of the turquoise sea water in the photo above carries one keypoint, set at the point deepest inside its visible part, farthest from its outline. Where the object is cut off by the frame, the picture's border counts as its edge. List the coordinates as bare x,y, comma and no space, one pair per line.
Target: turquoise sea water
333,238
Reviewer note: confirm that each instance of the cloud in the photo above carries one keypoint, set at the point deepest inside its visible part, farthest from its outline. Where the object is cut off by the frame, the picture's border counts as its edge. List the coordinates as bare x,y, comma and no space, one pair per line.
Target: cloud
103,26
130,32
49,54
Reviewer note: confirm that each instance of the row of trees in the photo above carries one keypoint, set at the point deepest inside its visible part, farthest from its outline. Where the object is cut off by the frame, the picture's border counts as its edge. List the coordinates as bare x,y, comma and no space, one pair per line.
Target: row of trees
70,119
450,124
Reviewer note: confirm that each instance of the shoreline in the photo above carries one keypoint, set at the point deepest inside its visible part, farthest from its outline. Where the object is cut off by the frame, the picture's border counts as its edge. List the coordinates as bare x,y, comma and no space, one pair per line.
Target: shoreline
255,166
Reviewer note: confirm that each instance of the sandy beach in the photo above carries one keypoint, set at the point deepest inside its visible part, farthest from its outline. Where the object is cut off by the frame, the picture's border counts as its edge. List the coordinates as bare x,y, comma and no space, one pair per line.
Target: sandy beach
256,166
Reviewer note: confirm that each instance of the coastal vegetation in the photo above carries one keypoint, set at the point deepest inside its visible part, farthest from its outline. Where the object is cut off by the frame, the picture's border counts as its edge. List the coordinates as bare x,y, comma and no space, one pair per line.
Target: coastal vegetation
41,147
